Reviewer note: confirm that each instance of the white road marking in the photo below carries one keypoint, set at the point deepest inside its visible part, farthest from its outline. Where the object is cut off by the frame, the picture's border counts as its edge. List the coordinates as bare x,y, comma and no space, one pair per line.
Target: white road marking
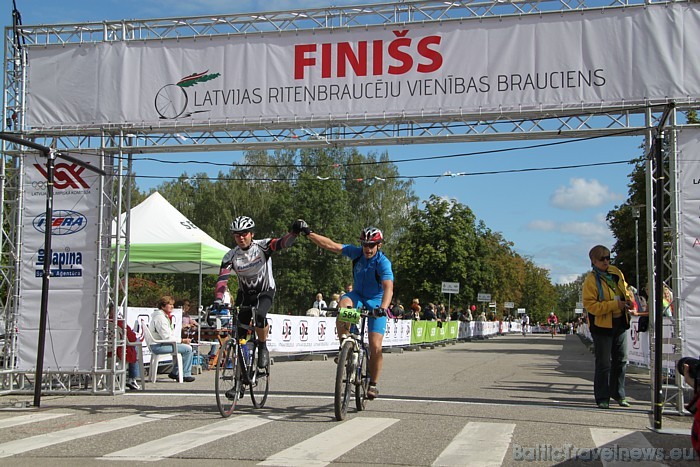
323,448
478,444
162,448
41,441
30,418
619,442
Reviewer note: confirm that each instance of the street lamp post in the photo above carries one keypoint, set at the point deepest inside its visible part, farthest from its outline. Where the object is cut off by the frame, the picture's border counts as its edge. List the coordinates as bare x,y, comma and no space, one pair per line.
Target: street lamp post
636,213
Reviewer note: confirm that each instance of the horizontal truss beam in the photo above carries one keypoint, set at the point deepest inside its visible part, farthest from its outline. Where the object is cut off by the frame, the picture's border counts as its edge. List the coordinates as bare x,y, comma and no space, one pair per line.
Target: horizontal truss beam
197,138
396,13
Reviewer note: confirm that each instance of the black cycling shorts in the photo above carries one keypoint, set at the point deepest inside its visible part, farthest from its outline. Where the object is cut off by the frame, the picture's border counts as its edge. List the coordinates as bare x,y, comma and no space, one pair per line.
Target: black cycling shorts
262,303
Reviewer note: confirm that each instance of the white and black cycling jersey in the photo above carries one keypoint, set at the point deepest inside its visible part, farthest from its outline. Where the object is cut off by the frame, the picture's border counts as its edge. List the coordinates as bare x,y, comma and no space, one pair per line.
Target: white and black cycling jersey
253,266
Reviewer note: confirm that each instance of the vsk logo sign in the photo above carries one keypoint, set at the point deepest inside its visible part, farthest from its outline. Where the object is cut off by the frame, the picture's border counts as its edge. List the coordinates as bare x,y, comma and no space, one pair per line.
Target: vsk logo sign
303,330
322,331
64,222
171,100
65,176
286,329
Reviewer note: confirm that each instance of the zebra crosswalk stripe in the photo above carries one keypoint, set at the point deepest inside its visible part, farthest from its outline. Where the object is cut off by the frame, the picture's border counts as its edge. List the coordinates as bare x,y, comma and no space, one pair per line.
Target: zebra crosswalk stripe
478,444
609,437
49,439
323,448
171,445
30,418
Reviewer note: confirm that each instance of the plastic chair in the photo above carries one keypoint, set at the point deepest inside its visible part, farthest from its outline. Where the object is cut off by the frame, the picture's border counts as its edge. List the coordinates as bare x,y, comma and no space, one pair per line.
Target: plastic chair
150,340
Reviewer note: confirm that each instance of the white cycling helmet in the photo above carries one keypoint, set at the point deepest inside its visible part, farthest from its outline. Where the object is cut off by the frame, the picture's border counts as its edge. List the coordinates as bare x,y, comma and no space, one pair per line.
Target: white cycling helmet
242,224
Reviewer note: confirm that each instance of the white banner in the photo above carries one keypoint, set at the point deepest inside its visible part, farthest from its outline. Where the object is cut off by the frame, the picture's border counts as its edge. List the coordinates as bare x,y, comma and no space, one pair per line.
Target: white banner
301,334
72,300
499,64
688,302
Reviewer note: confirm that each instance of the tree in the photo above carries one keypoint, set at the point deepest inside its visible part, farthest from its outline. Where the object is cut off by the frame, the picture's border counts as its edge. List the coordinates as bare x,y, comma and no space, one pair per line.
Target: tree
567,297
541,297
439,244
623,226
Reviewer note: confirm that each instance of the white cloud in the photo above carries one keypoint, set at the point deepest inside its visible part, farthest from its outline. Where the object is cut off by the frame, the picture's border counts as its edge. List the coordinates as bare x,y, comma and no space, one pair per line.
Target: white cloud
588,230
581,194
542,225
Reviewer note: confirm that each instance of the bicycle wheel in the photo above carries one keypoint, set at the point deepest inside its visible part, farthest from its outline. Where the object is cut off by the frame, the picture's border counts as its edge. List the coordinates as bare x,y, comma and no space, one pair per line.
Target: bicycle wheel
343,380
260,385
362,383
228,380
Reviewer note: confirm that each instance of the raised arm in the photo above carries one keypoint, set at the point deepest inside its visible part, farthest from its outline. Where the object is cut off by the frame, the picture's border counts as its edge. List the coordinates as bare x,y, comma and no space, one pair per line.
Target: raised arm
325,242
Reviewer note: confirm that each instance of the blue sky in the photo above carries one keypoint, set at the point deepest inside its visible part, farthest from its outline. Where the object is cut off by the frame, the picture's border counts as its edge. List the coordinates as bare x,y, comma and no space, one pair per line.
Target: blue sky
551,216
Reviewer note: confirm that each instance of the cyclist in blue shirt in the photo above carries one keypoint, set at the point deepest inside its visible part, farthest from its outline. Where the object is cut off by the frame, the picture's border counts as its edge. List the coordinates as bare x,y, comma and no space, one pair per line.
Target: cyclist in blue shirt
373,287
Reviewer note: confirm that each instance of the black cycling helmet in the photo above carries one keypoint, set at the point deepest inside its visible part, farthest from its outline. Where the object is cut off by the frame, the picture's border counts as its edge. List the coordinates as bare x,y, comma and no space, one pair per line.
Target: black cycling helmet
371,236
242,224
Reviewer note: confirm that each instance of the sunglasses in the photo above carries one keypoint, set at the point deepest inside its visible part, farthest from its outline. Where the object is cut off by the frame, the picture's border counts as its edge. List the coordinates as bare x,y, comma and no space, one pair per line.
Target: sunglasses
604,258
369,244
242,234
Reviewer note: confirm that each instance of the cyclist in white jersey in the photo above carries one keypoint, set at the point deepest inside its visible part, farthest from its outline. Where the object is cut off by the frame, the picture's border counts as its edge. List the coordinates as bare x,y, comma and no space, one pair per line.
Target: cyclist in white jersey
251,261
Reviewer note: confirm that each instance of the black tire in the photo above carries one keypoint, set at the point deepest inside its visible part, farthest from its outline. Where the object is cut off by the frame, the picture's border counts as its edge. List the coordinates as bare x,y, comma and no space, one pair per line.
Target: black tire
362,384
261,387
228,378
343,380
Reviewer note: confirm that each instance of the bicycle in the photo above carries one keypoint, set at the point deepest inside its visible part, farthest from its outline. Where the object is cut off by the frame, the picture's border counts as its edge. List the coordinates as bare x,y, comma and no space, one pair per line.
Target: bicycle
353,360
237,369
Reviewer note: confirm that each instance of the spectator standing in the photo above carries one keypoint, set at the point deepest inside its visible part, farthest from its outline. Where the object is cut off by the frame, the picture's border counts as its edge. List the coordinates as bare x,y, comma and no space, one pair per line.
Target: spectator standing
334,301
415,309
441,313
606,300
397,309
320,304
429,312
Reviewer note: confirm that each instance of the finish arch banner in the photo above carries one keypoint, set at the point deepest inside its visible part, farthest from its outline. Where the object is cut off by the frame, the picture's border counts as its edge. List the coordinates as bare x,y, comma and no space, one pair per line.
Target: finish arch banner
557,61
688,302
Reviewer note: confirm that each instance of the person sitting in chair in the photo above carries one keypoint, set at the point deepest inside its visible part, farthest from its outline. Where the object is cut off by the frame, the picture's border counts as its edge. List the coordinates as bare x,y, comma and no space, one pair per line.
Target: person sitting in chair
163,328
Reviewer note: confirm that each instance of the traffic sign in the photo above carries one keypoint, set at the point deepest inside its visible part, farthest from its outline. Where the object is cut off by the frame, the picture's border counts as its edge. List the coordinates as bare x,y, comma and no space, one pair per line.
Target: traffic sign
521,311
509,305
483,297
450,287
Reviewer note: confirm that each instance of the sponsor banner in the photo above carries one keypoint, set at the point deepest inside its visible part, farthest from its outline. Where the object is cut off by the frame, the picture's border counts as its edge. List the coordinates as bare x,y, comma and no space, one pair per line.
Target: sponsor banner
300,334
418,332
72,301
531,62
688,302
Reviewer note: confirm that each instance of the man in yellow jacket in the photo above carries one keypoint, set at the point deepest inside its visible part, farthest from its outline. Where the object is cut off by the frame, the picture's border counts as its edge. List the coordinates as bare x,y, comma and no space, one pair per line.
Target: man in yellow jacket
607,302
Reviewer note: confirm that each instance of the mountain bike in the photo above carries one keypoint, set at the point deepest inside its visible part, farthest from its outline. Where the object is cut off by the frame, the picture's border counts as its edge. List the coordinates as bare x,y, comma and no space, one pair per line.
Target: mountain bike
352,374
237,369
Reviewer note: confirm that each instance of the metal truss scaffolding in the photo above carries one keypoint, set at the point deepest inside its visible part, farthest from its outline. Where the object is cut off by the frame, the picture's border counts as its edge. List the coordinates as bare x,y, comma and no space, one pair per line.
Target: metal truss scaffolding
116,143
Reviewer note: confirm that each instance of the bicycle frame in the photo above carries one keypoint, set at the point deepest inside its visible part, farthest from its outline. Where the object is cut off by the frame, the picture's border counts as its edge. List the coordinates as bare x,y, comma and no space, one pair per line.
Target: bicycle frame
353,368
239,370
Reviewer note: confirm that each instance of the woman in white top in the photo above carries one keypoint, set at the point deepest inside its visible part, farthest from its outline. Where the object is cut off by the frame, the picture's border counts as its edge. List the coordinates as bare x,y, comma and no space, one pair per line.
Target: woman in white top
320,304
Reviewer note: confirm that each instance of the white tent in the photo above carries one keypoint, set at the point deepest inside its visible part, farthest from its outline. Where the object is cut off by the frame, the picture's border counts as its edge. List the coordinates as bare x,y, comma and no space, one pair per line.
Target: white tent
163,240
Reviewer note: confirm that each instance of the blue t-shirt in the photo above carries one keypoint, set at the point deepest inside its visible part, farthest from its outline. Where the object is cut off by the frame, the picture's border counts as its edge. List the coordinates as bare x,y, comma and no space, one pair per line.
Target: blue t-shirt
366,272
